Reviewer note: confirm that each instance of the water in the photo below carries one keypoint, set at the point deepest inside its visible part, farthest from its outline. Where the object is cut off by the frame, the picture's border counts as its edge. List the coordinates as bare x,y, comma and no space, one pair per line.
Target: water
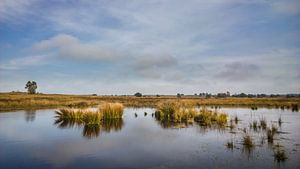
30,139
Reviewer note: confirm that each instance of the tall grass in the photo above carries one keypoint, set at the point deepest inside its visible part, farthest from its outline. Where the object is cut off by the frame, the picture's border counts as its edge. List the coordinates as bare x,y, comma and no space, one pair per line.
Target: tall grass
178,112
9,101
112,110
271,133
107,117
263,123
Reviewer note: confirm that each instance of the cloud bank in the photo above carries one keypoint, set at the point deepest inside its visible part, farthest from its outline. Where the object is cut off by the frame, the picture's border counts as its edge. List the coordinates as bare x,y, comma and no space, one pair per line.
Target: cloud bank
119,47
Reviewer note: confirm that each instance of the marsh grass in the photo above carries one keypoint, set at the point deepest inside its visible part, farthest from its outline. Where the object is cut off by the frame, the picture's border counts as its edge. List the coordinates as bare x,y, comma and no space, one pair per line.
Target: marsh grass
112,110
280,155
230,145
295,107
18,100
236,119
231,125
107,117
178,112
247,141
263,123
271,133
253,125
279,121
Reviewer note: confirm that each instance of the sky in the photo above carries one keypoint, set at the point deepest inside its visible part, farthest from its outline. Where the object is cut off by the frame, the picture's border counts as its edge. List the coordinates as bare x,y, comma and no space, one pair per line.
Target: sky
152,47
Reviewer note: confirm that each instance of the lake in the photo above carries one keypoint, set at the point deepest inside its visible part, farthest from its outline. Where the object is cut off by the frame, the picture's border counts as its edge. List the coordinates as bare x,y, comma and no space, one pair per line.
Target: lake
31,139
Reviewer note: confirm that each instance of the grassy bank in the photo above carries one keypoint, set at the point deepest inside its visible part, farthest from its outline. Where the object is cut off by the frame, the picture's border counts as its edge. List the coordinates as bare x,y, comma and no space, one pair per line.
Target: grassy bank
17,101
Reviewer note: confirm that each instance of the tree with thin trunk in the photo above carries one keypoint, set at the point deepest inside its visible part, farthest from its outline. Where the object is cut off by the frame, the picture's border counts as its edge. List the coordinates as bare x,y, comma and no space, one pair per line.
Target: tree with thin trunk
31,87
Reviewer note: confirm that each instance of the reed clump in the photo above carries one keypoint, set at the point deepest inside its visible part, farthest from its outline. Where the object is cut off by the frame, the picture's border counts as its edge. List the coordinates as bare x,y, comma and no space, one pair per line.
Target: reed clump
178,112
271,133
89,116
263,123
205,117
280,155
106,118
112,110
247,142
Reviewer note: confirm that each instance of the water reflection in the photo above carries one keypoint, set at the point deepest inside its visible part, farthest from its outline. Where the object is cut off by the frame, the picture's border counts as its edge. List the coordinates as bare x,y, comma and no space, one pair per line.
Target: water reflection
91,130
145,143
30,115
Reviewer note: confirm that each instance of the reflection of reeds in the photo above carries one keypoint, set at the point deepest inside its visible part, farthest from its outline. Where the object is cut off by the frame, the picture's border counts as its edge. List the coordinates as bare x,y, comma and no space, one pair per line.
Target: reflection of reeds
230,145
112,124
248,144
91,131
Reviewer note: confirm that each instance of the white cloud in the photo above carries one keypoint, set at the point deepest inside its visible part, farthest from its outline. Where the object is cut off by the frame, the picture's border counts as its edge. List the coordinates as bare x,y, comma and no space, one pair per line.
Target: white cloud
70,46
12,9
287,6
24,62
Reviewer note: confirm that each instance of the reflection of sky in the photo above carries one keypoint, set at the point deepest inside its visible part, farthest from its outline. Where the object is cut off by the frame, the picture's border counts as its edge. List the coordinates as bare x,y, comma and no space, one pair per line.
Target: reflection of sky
141,143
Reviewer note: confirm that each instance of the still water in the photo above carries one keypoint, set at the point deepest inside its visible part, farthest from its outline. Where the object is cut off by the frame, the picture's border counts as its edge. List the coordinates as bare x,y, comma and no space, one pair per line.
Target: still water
31,139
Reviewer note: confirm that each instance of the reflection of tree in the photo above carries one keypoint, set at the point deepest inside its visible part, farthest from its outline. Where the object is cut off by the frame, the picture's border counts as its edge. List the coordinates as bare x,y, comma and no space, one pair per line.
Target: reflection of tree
30,115
90,130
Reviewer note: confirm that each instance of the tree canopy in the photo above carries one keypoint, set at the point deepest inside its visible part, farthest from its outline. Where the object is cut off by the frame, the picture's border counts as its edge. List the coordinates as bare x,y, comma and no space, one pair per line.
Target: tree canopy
31,87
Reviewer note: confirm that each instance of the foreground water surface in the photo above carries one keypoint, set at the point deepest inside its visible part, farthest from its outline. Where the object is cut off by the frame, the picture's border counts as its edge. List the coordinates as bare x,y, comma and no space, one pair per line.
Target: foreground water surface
31,139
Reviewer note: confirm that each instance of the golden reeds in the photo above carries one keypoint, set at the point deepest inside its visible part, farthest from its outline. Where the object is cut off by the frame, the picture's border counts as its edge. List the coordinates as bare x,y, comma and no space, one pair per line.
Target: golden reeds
178,112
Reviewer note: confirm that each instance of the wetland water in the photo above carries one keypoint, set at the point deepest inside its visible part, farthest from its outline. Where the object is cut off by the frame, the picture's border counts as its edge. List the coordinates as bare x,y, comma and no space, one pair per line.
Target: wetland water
30,139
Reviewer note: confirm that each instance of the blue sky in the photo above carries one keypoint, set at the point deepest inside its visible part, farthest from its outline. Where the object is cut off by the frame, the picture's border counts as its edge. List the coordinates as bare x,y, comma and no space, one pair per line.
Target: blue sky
154,47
